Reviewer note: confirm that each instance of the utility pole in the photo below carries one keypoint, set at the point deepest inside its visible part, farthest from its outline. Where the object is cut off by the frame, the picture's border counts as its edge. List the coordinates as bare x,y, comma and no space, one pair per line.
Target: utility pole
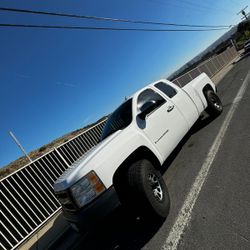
19,145
242,11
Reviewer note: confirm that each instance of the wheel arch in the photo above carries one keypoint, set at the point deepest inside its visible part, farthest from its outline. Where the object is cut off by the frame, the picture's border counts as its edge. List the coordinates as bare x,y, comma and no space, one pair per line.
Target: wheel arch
208,87
119,177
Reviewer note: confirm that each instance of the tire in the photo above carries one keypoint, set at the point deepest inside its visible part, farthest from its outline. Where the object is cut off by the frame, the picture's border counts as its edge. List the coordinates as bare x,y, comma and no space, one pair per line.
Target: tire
147,189
214,107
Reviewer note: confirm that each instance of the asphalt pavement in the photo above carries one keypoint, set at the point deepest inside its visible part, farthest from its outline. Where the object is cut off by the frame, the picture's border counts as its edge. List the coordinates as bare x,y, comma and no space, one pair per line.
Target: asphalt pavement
210,209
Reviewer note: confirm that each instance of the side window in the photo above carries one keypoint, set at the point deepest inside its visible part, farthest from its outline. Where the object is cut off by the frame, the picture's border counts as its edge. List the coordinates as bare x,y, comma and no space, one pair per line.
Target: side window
166,89
149,95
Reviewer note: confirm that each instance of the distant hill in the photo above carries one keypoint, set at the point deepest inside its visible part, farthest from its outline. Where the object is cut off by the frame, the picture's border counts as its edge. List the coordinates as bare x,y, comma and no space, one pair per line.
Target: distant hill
215,48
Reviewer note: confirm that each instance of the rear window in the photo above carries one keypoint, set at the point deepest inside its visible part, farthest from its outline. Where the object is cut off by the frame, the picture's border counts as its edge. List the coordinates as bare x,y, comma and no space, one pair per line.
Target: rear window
166,89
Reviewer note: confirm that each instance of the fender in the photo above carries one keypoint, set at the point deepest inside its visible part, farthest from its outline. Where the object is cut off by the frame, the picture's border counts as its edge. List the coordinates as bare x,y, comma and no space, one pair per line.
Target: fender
201,82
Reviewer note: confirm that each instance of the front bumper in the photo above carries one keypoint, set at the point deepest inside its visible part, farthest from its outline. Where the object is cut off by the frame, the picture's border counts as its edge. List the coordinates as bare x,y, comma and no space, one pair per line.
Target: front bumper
95,211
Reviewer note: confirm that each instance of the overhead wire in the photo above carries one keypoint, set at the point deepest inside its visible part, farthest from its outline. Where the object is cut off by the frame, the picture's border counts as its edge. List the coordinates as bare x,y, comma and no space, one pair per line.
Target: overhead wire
104,28
109,18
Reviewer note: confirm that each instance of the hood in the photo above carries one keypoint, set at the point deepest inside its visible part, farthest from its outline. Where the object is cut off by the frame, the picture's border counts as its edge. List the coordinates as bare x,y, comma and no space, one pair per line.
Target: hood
65,180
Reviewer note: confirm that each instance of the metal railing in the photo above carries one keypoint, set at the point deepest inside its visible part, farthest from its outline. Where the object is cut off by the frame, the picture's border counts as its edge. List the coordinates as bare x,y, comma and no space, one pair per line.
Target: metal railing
211,67
26,196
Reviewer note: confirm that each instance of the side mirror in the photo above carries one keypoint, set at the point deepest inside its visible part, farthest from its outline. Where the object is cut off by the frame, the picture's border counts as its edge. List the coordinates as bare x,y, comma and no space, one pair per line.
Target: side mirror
147,108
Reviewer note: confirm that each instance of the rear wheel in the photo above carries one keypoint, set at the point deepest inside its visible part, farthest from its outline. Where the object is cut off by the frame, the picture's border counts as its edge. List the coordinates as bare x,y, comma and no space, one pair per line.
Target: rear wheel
214,107
147,190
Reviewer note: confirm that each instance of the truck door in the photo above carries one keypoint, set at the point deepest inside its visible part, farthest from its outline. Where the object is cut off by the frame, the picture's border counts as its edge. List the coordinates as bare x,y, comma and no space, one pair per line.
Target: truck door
182,101
163,124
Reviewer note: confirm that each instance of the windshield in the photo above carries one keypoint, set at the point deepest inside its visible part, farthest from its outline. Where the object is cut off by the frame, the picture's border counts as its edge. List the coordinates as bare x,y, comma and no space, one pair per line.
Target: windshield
119,119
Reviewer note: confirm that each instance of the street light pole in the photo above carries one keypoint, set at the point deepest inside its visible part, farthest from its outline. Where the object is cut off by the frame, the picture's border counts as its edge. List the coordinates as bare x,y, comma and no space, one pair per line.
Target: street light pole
19,145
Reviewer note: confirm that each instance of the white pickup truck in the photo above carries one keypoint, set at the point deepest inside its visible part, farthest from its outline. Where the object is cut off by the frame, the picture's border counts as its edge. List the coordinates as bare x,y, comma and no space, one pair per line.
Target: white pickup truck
137,138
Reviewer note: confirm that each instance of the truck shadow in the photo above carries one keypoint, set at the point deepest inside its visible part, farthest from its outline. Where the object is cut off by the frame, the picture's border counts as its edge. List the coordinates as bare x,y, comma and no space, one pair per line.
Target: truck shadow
119,231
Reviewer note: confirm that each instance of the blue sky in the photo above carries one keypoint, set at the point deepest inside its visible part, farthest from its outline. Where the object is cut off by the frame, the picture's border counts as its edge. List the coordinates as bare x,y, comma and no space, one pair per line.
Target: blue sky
56,81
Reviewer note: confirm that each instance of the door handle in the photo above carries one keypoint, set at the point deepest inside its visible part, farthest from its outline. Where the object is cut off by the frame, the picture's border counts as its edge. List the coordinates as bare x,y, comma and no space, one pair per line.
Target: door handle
170,108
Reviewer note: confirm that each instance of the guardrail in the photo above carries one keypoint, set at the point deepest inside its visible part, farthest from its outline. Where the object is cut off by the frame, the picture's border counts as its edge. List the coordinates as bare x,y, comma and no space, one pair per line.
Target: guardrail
27,199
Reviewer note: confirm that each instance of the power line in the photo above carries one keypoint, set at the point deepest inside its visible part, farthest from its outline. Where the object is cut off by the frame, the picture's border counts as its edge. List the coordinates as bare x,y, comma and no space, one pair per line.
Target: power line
103,28
109,18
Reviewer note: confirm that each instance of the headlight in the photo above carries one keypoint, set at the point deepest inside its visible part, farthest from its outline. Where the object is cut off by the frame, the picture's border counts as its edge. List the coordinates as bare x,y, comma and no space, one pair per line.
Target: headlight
86,189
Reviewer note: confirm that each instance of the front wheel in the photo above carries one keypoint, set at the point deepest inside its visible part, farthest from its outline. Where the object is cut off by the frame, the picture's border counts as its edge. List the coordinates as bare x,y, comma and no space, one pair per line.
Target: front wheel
214,104
148,191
